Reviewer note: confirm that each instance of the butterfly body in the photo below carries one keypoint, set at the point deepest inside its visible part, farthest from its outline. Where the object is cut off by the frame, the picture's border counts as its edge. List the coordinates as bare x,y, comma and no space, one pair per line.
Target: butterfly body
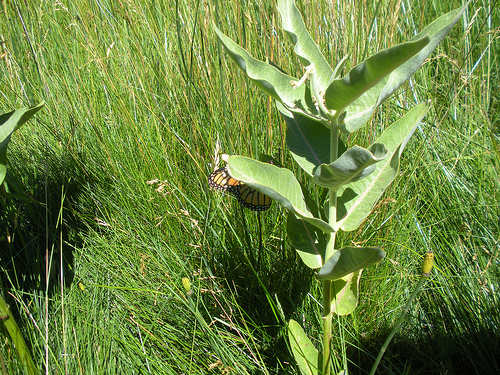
247,196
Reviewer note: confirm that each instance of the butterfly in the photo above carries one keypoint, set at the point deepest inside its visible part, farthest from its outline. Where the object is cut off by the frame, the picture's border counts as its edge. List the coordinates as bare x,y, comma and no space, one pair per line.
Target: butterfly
247,196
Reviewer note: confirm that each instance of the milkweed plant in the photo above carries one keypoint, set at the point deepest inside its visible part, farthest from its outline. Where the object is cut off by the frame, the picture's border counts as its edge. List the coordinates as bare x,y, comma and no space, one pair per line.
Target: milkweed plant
317,108
9,123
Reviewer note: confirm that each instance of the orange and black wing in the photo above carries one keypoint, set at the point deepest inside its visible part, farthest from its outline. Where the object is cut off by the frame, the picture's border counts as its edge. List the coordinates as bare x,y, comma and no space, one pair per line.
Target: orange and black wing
251,198
247,196
221,180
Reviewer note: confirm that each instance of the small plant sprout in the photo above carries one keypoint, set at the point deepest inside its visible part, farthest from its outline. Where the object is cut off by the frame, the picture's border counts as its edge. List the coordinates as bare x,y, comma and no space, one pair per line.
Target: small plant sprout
317,108
187,288
427,265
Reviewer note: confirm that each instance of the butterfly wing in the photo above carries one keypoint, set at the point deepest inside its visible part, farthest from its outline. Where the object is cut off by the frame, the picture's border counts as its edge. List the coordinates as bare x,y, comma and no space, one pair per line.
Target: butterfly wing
221,180
247,196
251,198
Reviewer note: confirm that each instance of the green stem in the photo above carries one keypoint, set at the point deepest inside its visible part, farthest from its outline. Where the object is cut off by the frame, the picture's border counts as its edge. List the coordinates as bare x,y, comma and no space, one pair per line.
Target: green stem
330,250
332,199
327,327
398,324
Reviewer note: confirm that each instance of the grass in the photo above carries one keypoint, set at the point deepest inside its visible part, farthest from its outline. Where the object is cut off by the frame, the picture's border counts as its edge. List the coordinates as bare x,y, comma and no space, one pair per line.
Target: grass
108,207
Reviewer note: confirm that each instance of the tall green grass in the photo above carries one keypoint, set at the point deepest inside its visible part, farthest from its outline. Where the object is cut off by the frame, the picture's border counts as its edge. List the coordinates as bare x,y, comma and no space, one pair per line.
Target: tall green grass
108,207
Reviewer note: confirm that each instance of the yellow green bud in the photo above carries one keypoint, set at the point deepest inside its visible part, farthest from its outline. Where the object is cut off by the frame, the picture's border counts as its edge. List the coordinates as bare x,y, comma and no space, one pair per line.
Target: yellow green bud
428,263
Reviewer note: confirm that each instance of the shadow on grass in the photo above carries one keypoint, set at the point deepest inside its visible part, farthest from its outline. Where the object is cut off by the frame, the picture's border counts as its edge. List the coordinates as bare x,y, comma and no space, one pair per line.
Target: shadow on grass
41,216
269,285
432,353
453,342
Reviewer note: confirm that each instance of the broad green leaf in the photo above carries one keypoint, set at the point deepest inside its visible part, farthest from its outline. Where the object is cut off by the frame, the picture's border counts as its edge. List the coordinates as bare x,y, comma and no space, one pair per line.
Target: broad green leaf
278,183
360,111
368,73
308,141
348,260
307,239
268,78
3,159
345,298
353,165
303,350
17,341
356,200
304,46
9,123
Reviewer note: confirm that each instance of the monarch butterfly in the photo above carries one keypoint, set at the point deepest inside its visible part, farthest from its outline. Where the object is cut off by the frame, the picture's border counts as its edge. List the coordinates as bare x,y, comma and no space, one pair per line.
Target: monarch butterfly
247,196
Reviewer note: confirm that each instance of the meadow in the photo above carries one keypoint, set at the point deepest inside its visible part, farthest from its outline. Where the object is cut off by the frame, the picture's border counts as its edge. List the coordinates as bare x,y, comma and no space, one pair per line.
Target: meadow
106,205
